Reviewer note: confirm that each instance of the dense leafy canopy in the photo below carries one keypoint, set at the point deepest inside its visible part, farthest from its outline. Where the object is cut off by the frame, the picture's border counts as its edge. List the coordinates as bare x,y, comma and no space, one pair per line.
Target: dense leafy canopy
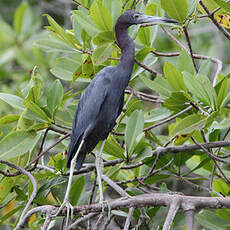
44,70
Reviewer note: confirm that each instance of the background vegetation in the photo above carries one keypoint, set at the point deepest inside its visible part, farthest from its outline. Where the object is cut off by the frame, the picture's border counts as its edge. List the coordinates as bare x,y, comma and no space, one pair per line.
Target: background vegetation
173,134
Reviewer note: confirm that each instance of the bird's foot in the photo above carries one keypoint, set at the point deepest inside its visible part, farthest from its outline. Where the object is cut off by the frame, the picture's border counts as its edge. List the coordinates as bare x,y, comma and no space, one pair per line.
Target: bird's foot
69,210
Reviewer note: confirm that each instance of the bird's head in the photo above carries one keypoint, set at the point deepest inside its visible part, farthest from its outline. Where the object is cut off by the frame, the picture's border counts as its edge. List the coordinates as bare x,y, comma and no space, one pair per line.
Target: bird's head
131,17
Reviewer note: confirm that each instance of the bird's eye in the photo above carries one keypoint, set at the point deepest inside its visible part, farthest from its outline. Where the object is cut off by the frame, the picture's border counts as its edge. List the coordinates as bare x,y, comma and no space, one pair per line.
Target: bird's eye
136,16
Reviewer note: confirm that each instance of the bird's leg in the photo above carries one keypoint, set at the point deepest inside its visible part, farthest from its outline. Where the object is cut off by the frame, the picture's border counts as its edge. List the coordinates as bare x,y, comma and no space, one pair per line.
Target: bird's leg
66,202
100,170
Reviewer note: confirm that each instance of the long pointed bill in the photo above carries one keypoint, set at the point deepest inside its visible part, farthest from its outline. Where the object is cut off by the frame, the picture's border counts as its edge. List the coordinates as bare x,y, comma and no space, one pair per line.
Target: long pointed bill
153,20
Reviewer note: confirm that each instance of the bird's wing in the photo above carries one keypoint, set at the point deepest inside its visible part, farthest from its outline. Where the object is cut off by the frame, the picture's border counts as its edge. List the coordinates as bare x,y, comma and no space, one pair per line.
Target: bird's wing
87,110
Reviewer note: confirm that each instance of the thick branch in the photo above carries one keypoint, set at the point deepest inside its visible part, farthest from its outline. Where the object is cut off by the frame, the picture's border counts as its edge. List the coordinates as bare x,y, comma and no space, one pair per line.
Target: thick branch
159,200
173,208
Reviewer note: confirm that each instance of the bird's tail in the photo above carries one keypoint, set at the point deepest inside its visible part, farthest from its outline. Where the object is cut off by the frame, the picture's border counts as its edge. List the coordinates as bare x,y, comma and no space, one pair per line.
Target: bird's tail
80,159
73,147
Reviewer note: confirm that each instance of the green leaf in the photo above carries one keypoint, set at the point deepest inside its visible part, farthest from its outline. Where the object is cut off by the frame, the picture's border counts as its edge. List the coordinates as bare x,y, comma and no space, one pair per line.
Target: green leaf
224,214
6,185
176,9
184,63
19,17
221,187
65,68
200,165
37,110
101,16
196,88
85,21
192,6
45,188
223,4
54,97
59,33
15,144
7,55
176,101
190,123
7,33
144,36
113,148
205,67
174,77
64,117
76,190
159,85
209,89
192,163
114,7
9,214
101,53
151,9
53,45
14,101
133,129
9,119
156,178
222,92
209,219
104,37
157,114
87,66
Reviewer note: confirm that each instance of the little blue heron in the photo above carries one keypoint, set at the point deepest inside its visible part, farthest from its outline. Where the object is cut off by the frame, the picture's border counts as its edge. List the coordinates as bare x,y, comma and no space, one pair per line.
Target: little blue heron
102,101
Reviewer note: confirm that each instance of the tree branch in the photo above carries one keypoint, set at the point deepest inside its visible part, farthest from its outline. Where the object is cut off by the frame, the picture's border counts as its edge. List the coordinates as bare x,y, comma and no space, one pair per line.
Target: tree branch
33,194
173,208
215,22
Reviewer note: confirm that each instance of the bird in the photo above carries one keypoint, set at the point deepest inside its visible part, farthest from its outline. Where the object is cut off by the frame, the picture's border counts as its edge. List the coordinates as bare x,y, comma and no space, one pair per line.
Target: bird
102,101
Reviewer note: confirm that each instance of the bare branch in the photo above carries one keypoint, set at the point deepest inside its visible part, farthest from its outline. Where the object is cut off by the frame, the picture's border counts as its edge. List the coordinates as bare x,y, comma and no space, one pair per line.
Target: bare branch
99,221
82,219
210,154
189,219
173,208
47,222
167,119
190,47
116,187
159,199
47,150
215,22
128,219
198,56
33,194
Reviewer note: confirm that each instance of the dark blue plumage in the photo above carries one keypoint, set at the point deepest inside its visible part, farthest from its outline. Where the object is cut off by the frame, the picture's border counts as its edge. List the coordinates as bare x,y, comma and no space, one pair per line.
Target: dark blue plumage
102,101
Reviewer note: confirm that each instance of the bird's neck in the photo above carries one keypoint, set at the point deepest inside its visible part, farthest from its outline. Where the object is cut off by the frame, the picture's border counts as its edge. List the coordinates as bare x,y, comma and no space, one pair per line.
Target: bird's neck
127,47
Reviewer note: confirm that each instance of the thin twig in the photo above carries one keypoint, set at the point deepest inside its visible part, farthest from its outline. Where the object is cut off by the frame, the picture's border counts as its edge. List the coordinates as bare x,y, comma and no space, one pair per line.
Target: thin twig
167,119
32,196
190,47
210,154
47,150
217,61
116,187
128,219
215,22
99,222
82,219
189,219
47,222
